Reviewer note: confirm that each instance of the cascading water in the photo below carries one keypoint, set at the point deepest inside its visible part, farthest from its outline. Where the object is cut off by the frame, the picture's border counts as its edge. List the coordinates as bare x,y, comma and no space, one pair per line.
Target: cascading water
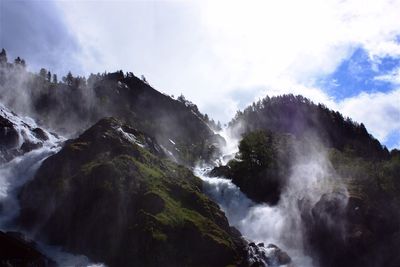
19,166
281,224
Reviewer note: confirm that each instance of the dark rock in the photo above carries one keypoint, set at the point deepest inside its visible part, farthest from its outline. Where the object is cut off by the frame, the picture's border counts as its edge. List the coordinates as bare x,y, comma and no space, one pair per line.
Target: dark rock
8,134
282,257
152,203
40,134
351,232
220,171
16,250
324,225
28,146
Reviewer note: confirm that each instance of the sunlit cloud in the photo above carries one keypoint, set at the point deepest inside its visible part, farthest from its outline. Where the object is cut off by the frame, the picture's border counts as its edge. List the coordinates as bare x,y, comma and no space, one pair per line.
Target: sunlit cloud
222,55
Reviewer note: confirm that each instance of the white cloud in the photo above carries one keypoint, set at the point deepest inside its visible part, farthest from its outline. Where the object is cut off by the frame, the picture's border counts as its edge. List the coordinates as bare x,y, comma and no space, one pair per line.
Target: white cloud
392,77
213,51
380,112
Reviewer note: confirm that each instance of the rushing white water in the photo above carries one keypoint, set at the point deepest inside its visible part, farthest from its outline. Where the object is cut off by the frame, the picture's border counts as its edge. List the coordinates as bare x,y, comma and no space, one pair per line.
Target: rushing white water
277,225
280,224
19,170
65,259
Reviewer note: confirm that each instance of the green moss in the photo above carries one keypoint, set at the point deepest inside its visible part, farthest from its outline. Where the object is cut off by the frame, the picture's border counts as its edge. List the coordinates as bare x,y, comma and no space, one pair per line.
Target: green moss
176,215
159,236
158,177
147,171
88,167
79,146
108,186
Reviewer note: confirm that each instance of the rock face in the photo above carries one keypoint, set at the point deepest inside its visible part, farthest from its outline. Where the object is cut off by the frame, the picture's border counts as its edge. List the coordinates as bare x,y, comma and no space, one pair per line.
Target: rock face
8,134
352,233
17,251
112,195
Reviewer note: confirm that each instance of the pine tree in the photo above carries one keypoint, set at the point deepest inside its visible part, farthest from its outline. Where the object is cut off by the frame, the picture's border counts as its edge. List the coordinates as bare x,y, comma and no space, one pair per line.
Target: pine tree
3,57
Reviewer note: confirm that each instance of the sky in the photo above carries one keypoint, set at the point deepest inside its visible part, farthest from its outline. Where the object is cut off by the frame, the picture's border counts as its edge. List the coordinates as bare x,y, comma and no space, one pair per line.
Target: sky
223,55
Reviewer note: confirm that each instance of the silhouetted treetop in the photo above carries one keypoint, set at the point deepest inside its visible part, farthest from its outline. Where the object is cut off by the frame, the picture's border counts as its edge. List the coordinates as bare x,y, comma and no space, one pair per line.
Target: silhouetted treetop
299,116
3,56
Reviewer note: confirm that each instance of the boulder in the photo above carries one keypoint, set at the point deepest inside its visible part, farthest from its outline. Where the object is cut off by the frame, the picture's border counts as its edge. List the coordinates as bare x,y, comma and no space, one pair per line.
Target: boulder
261,256
220,171
40,134
8,134
28,146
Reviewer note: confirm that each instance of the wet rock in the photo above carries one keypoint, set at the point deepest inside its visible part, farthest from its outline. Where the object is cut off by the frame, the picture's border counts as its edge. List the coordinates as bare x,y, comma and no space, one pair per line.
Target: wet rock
8,134
16,250
261,256
40,134
220,171
28,146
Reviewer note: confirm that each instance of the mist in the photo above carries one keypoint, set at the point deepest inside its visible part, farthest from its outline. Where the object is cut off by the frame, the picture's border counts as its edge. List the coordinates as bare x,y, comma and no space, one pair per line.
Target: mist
312,180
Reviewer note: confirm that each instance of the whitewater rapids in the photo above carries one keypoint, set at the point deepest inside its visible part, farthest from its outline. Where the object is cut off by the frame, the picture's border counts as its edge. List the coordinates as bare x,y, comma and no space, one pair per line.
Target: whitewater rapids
22,168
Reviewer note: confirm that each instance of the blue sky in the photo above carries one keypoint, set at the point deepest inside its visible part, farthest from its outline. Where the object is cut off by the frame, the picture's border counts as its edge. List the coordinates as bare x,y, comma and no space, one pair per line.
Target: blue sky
359,74
222,55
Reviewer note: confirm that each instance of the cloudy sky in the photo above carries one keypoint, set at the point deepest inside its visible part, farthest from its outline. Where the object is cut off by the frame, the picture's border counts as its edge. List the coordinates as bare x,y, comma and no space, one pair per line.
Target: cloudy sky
222,55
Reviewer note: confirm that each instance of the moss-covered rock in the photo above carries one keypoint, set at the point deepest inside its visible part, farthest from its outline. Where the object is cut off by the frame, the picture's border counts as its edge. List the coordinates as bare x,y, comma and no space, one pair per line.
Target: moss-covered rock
112,195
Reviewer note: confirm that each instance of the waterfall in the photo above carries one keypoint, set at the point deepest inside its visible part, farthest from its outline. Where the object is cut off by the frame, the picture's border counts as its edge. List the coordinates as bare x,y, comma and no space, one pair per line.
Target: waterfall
281,224
21,168
260,223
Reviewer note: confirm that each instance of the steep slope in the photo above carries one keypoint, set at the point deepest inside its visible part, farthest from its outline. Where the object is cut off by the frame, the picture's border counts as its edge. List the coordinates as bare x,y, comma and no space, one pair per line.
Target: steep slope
75,104
178,127
112,195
